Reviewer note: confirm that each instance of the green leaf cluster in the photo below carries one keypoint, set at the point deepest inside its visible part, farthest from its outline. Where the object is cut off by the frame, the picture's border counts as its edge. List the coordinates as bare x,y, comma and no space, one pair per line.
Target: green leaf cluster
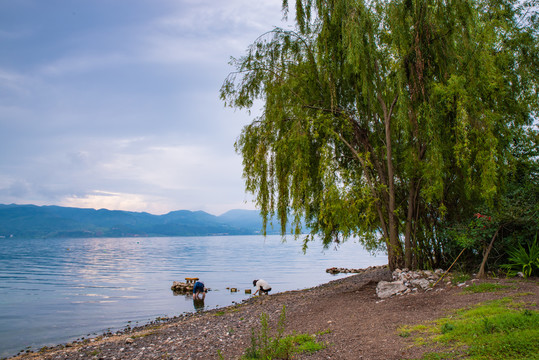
389,120
525,261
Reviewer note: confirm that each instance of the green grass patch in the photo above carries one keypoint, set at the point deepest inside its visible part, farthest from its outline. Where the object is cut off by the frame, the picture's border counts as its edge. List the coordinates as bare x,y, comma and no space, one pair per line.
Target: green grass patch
147,332
439,356
305,343
136,336
499,329
264,346
284,347
523,294
227,311
484,287
458,278
93,353
323,332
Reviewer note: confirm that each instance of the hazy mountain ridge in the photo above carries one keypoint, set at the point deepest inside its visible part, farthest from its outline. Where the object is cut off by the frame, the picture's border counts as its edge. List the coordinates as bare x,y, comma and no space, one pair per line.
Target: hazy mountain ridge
31,221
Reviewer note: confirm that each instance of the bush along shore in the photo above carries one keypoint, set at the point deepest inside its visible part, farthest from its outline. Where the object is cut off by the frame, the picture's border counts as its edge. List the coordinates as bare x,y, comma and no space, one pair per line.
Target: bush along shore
343,319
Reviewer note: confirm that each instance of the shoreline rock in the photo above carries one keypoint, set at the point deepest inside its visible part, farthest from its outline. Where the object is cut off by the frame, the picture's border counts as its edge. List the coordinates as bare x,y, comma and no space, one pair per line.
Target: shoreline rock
335,270
406,281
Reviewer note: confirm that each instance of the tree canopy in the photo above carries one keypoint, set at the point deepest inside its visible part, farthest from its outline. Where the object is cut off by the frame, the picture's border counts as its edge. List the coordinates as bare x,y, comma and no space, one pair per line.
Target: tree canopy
387,120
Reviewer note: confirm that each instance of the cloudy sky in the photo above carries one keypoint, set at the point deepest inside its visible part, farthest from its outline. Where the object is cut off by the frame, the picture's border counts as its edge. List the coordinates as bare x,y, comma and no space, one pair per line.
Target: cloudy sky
115,103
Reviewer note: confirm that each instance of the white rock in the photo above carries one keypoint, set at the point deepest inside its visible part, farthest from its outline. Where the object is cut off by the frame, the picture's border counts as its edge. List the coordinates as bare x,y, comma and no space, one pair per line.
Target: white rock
386,289
422,283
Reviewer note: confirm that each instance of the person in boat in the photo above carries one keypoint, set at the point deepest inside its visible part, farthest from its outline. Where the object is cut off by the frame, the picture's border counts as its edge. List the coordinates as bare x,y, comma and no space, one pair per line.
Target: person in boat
262,286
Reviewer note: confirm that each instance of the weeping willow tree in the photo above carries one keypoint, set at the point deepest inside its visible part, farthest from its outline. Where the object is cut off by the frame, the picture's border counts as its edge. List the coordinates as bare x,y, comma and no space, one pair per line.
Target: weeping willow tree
383,118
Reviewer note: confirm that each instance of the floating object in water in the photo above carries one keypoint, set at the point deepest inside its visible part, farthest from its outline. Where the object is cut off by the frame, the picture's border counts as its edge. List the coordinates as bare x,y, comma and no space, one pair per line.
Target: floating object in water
191,280
247,291
233,289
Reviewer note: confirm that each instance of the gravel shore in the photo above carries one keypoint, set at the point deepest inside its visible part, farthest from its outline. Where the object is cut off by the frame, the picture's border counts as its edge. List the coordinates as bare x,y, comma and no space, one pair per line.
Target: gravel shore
355,323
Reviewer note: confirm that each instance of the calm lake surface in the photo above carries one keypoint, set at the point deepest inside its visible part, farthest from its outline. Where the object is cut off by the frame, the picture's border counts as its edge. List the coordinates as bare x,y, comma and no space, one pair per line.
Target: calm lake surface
55,291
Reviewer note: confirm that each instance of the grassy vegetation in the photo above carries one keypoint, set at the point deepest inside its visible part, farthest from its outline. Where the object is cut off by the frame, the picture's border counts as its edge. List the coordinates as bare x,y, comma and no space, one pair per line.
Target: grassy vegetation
264,346
500,329
147,332
460,277
484,287
227,311
524,261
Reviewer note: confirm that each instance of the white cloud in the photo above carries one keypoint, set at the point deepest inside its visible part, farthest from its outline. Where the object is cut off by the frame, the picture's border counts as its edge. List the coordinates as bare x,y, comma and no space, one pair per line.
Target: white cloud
108,200
11,35
164,177
173,167
78,63
12,82
208,32
123,112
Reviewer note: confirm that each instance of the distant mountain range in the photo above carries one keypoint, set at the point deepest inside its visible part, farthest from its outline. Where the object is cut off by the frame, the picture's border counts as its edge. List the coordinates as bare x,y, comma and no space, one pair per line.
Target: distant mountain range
31,221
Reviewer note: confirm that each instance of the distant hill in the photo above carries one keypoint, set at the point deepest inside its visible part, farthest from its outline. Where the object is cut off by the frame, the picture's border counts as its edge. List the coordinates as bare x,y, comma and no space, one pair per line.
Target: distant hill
31,221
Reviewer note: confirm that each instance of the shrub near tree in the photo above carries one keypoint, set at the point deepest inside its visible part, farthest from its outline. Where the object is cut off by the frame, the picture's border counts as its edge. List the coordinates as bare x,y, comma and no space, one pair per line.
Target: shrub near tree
506,237
387,120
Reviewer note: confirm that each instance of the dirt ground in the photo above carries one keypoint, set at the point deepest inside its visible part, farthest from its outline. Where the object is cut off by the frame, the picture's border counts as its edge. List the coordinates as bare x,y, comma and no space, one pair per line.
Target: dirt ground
361,325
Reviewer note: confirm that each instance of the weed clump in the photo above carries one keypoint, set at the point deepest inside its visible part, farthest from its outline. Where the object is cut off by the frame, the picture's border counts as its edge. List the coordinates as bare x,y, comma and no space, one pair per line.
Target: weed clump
265,346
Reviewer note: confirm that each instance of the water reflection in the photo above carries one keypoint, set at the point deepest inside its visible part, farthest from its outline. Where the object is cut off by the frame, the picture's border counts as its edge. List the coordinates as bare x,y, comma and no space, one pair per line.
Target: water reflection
198,304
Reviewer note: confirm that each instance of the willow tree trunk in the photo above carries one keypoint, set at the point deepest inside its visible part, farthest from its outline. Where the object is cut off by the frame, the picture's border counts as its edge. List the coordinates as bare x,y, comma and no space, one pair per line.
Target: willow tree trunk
408,230
394,251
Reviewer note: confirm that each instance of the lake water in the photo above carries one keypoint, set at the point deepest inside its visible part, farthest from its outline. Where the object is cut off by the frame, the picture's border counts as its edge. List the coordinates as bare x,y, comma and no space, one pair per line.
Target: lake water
58,290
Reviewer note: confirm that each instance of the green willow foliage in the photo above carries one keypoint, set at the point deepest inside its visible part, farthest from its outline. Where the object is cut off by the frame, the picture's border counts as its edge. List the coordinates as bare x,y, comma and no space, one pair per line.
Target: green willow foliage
383,119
